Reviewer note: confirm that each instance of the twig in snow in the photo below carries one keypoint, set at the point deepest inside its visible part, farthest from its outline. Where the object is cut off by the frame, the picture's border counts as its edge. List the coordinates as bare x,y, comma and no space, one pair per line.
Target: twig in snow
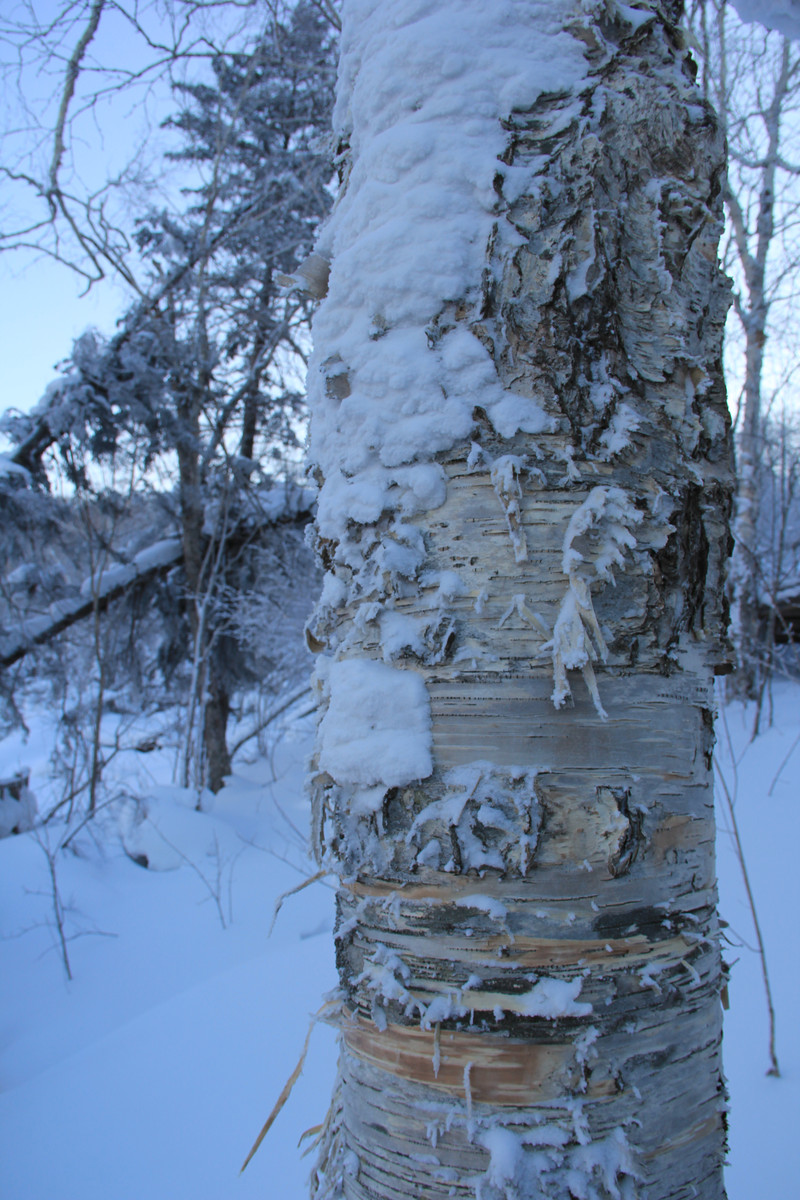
779,771
60,910
55,896
268,720
774,1069
214,888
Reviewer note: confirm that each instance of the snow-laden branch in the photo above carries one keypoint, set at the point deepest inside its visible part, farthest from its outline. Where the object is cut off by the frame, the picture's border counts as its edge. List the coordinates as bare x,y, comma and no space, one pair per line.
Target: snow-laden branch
275,504
97,594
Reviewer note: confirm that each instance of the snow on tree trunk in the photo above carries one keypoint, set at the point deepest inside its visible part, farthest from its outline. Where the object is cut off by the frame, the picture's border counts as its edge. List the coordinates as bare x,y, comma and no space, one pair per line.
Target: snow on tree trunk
520,425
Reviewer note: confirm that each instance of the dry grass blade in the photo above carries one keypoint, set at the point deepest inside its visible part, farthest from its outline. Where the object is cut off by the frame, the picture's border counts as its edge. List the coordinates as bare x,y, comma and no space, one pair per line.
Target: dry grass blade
292,892
286,1091
313,1132
284,1096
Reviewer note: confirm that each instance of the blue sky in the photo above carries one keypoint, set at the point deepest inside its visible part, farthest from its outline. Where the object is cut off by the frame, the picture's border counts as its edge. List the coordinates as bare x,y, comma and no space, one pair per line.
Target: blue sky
41,313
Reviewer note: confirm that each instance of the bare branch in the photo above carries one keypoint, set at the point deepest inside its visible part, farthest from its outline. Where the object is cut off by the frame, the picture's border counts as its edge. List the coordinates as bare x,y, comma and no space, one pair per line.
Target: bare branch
326,7
73,68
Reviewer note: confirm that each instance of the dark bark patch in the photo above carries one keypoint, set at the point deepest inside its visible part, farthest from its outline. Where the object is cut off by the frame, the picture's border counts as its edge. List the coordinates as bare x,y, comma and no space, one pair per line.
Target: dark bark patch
627,850
646,921
681,567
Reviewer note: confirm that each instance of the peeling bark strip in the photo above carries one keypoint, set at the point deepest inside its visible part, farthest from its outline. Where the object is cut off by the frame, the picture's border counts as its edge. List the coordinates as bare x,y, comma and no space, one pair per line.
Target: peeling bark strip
526,939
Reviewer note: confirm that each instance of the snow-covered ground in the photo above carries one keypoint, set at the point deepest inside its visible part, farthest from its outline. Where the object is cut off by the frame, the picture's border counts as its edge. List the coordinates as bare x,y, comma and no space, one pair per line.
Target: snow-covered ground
150,1074
763,779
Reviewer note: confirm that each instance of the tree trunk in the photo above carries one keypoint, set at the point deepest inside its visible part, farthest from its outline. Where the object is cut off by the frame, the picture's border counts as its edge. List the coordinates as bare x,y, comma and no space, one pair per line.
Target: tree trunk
754,250
524,605
208,694
747,575
215,728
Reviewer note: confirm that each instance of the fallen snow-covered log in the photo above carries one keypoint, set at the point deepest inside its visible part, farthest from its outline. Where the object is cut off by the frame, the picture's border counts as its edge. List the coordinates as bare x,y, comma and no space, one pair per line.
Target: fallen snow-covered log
272,506
62,614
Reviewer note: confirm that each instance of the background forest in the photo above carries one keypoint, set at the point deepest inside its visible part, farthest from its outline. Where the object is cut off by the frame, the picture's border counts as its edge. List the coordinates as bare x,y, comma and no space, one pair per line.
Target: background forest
156,575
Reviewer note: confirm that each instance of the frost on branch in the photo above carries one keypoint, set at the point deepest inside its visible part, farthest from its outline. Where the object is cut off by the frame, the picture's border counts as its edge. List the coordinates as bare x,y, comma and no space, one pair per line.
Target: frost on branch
597,536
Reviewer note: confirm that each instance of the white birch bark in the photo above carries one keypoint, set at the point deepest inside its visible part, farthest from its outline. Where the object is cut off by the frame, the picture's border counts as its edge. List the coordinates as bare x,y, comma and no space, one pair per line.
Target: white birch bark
522,616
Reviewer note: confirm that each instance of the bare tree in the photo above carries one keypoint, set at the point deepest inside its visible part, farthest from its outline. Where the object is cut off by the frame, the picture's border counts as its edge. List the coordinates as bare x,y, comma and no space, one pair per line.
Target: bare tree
753,79
80,71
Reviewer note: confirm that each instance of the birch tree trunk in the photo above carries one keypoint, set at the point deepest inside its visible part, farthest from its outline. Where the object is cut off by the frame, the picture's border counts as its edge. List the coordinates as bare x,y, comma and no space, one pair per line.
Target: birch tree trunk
521,426
752,80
